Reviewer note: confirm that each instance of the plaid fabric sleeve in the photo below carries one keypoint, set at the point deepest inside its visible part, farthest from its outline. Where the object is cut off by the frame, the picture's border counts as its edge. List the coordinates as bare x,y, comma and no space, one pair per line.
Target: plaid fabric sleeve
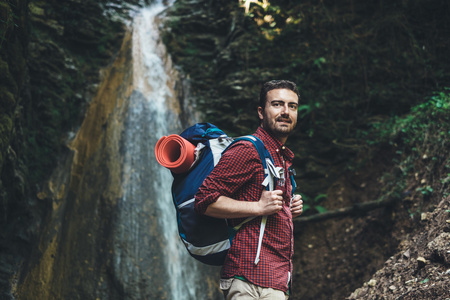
239,170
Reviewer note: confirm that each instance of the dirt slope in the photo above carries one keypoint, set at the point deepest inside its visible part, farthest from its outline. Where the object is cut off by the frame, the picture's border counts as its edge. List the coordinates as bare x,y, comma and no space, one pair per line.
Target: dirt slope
421,267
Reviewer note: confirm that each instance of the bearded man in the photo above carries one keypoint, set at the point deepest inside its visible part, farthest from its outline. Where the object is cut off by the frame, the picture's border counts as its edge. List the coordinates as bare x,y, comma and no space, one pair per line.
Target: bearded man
234,191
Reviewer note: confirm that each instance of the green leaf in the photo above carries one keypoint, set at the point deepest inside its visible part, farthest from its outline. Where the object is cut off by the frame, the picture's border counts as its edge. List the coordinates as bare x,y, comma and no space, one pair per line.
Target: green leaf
306,207
320,196
320,209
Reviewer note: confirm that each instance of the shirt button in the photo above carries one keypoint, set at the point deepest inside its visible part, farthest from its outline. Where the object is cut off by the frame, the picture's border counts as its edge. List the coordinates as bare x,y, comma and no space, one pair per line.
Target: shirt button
283,147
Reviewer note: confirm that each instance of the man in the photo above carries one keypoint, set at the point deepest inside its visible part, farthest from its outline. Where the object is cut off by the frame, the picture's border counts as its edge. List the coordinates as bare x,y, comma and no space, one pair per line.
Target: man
233,190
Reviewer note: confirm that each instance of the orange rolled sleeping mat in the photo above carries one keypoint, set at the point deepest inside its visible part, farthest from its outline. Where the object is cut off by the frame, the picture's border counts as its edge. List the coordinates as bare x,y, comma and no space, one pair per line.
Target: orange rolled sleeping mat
175,153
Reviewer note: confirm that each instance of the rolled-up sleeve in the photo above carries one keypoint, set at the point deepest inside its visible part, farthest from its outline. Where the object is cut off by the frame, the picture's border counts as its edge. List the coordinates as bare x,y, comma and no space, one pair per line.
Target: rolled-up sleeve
239,170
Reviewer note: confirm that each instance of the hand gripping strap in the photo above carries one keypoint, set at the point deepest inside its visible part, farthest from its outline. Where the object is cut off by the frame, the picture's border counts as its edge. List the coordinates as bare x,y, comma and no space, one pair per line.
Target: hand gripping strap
271,174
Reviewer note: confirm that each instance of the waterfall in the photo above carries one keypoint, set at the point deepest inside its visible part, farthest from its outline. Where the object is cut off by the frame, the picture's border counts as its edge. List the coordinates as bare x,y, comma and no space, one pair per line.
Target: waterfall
146,212
112,229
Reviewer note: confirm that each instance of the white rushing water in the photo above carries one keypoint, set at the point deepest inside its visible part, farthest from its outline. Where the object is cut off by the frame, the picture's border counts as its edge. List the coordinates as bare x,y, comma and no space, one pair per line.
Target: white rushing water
149,253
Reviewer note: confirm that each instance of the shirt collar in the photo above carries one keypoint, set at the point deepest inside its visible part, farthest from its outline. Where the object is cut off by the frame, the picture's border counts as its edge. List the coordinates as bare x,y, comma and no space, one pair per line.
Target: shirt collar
274,143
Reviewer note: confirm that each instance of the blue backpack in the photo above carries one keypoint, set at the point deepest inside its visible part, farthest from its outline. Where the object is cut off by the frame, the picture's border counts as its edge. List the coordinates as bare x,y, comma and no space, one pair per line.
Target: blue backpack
206,238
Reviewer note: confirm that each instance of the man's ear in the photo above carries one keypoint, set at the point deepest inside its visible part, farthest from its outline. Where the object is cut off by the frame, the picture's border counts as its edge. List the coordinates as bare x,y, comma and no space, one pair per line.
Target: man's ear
260,113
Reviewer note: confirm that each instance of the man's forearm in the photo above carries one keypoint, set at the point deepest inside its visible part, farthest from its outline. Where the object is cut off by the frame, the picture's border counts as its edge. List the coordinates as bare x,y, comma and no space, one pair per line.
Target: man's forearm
226,208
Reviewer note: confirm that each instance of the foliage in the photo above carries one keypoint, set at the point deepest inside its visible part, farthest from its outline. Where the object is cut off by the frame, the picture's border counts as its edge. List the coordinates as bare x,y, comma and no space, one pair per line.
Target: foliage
269,18
312,205
421,141
430,118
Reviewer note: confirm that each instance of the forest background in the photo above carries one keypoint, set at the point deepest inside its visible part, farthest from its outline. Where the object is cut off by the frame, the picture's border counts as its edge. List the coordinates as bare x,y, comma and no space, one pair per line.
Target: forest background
374,121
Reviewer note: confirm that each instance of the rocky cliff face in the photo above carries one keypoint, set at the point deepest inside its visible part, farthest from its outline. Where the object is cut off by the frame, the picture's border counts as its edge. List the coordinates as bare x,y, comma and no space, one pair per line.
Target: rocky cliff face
14,205
50,58
75,235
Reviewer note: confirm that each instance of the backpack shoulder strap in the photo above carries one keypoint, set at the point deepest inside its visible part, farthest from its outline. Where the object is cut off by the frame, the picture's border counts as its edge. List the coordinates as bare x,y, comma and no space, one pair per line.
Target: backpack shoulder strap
259,145
271,174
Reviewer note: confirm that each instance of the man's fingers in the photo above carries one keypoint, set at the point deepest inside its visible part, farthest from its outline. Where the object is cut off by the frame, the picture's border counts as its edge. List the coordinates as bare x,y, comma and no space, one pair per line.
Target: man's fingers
277,195
278,192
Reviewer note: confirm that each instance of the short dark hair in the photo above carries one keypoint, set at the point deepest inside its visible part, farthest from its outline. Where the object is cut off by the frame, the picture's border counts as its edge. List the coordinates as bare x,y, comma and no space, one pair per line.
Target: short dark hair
273,85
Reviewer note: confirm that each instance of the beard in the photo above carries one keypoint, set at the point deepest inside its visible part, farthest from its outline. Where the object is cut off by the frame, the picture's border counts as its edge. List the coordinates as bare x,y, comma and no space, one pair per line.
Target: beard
279,127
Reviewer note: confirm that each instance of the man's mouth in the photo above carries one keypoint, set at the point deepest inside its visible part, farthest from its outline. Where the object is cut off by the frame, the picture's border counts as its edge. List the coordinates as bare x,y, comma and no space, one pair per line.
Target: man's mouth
284,120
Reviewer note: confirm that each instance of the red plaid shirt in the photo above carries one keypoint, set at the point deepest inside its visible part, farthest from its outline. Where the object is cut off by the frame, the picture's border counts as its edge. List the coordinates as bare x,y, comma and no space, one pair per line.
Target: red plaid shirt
239,175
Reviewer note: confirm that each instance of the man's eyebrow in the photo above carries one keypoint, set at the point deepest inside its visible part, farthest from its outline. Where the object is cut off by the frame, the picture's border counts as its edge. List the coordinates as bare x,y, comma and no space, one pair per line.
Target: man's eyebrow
292,102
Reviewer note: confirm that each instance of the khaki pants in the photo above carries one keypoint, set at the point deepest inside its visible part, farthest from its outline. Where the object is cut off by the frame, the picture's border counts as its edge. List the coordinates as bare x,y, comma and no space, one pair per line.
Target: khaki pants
236,289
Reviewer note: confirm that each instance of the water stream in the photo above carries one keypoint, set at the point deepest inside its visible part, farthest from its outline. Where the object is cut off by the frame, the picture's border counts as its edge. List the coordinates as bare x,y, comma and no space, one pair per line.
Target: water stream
112,229
155,255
